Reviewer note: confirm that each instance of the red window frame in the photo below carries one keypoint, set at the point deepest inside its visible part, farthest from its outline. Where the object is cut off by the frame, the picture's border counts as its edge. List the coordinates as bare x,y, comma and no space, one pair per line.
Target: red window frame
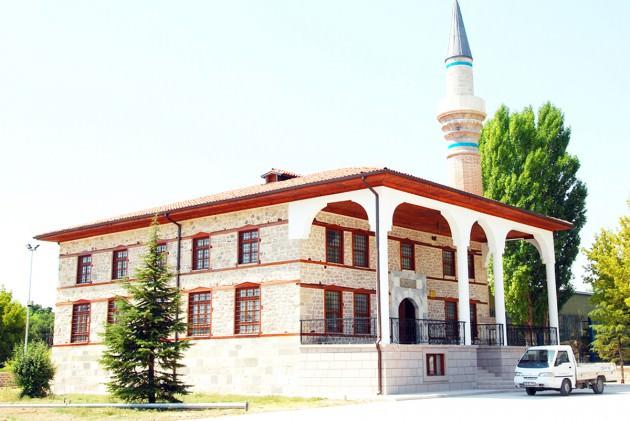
200,313
112,310
448,262
410,257
201,253
162,250
435,365
80,324
120,264
360,250
333,310
471,265
334,252
84,269
249,246
362,314
247,310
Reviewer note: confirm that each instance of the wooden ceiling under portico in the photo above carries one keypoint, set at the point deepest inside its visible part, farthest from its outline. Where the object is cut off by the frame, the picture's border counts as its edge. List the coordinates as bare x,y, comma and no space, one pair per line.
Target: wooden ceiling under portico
416,218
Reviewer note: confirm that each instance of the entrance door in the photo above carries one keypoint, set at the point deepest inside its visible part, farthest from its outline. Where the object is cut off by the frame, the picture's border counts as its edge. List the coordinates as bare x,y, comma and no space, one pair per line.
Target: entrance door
407,322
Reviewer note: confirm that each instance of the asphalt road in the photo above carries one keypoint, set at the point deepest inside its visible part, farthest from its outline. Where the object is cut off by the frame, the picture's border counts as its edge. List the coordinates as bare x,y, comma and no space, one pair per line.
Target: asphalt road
614,404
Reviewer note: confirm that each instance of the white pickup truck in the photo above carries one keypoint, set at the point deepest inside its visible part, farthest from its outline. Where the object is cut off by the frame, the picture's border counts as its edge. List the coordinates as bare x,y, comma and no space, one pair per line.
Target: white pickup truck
555,368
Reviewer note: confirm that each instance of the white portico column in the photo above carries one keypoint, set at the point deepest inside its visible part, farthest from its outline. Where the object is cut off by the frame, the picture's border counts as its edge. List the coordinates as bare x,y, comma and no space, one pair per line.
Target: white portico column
463,290
499,294
387,206
552,300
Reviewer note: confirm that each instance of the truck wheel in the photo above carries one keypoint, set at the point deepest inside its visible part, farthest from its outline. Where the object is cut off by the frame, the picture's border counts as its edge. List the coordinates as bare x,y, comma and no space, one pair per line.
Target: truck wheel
530,391
598,386
565,387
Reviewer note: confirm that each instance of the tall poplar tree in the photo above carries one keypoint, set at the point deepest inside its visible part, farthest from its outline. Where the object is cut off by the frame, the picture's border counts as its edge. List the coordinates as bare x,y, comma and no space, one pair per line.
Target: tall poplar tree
525,163
608,272
140,353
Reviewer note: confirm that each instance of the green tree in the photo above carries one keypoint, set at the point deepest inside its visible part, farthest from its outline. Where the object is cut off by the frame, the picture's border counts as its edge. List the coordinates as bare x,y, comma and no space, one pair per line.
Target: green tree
33,370
608,272
12,323
41,324
140,353
525,163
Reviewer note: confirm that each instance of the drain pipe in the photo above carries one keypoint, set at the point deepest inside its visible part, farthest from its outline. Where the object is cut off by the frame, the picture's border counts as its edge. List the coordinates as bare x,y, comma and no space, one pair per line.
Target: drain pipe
379,335
177,270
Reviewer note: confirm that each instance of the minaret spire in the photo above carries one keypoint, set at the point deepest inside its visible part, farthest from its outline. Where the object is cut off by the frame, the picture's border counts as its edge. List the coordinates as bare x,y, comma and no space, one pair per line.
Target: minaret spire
458,41
460,112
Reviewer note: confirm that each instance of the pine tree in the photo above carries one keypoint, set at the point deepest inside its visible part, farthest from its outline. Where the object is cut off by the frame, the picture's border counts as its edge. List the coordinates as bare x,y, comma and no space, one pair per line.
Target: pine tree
140,354
608,272
525,163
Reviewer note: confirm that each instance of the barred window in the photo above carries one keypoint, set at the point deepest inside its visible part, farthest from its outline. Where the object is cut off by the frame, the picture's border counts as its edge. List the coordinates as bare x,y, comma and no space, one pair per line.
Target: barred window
435,364
407,256
80,331
199,313
247,311
334,245
112,310
360,256
471,266
448,262
84,269
161,250
362,320
201,253
333,311
248,246
120,264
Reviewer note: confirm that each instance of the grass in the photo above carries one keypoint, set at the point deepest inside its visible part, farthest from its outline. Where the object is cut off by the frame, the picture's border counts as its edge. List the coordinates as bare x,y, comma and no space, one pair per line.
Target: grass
5,369
256,404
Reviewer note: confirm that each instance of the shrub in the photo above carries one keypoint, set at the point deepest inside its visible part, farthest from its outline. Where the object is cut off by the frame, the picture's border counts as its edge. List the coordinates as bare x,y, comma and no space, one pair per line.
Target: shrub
33,370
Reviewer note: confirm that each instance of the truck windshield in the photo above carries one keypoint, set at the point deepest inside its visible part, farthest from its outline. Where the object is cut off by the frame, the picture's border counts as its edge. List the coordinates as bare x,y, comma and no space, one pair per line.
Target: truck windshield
536,358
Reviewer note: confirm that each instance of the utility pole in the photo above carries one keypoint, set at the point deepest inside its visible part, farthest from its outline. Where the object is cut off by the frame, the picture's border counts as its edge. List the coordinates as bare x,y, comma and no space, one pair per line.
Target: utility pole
32,249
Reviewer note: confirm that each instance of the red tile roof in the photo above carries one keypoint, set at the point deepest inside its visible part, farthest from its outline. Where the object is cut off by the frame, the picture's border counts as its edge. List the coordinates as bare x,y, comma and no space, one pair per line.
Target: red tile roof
292,189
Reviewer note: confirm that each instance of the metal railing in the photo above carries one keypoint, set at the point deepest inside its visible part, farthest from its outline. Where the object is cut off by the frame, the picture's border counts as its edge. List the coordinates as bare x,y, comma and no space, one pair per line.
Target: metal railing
360,330
487,334
531,335
426,331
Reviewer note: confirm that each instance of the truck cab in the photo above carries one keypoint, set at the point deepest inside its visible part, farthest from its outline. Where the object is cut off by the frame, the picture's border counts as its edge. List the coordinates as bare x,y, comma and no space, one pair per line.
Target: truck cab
555,368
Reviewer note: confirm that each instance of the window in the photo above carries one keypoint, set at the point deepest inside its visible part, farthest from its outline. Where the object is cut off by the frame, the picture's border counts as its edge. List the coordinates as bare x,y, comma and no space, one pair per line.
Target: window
334,245
362,320
448,262
199,313
407,259
120,264
80,331
161,250
201,253
112,310
450,310
360,255
84,270
248,246
435,364
471,266
247,311
333,311
562,358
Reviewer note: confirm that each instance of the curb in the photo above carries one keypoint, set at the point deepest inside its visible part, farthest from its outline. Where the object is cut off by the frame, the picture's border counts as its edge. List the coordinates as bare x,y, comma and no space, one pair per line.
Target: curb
449,394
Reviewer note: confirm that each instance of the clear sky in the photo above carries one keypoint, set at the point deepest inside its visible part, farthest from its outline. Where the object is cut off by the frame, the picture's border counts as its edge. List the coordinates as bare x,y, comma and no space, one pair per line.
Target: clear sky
113,106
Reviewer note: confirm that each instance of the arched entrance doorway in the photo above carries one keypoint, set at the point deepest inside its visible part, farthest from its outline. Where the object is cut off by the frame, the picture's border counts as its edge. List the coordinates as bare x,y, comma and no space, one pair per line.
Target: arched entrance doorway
407,329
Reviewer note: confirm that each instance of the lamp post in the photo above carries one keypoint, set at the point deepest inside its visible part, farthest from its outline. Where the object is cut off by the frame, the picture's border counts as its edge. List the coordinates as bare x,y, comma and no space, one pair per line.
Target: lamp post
32,249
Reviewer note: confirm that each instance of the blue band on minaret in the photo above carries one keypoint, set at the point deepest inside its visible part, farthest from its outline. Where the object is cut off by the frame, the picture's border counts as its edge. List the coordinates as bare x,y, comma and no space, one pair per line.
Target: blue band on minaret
459,63
464,144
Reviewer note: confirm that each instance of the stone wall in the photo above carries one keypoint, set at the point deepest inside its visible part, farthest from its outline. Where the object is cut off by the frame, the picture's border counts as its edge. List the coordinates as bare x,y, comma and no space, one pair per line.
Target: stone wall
7,379
500,361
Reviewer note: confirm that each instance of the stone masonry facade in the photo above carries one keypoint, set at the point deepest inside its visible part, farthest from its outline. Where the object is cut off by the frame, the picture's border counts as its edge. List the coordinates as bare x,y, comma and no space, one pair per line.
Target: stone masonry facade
292,275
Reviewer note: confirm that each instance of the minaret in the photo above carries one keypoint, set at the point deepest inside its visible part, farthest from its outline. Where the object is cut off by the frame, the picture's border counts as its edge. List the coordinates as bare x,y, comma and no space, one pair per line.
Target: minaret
460,112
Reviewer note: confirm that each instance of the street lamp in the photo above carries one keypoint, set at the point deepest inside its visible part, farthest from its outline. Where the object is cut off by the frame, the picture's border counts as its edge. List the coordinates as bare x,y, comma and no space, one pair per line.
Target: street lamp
32,249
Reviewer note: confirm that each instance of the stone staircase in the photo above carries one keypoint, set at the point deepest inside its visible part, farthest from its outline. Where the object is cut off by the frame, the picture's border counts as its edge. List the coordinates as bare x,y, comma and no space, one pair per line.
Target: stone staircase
489,380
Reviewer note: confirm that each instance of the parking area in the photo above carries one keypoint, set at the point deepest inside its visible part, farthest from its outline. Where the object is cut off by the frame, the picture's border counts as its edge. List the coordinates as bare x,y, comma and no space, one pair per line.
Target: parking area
614,404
